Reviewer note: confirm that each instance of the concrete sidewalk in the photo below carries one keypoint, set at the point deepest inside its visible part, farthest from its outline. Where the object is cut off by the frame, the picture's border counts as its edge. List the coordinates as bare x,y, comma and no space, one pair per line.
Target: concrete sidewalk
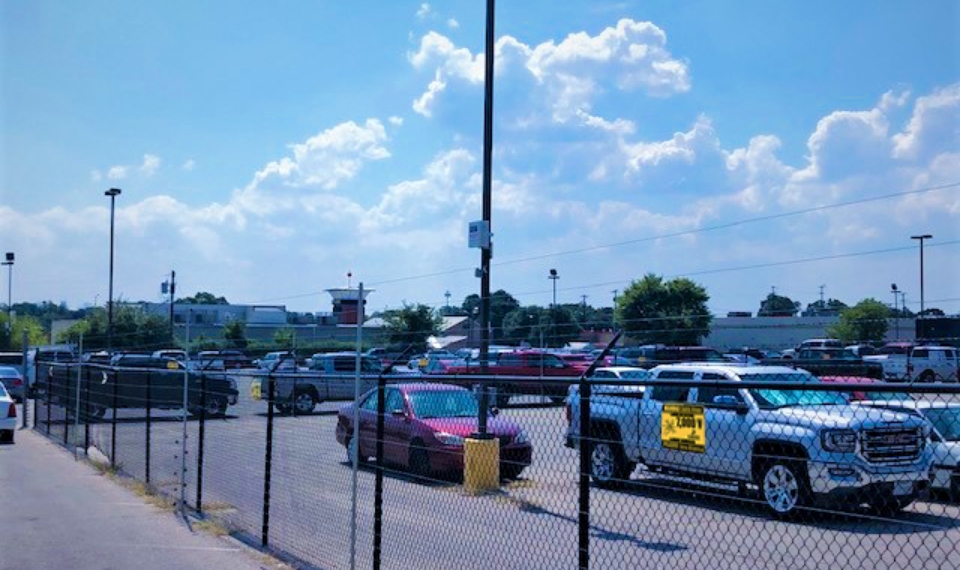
56,512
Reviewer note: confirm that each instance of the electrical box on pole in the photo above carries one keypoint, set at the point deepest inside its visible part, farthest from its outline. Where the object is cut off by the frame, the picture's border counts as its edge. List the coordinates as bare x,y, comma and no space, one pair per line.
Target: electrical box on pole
478,235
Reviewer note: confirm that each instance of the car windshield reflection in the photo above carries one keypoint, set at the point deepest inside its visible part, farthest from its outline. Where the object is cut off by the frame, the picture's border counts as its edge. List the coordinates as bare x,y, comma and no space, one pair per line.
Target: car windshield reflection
443,404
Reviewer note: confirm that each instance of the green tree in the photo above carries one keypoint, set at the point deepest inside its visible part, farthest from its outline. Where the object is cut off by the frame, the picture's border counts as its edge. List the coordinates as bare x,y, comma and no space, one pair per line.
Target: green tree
652,310
133,329
778,306
523,325
284,337
501,303
13,339
411,325
235,333
829,308
203,298
865,321
559,326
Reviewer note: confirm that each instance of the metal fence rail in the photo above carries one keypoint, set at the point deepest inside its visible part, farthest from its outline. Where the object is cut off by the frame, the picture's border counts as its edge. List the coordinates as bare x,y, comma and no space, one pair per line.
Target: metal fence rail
601,488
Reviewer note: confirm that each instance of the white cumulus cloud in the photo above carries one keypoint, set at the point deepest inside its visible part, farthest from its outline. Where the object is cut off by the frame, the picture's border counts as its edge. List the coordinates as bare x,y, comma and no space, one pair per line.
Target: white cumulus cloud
151,163
570,75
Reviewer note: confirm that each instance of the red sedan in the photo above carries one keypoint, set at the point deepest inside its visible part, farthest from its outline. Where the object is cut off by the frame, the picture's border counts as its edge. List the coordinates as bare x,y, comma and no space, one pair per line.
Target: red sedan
424,429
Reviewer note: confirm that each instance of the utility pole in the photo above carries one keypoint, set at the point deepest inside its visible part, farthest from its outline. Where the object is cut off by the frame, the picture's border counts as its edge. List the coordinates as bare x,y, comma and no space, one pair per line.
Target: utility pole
583,308
921,239
822,304
173,288
486,253
9,263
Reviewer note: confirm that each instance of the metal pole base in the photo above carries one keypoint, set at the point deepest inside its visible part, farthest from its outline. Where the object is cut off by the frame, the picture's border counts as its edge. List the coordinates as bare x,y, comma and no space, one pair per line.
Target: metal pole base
481,465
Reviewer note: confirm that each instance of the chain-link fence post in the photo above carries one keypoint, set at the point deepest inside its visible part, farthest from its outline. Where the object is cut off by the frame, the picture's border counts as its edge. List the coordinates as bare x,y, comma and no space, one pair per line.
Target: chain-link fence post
27,386
113,423
36,374
66,409
378,488
148,421
268,460
202,436
86,411
583,518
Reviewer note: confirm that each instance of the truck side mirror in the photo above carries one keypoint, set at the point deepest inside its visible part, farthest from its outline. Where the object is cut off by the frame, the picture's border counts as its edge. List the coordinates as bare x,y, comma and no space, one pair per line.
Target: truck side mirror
731,403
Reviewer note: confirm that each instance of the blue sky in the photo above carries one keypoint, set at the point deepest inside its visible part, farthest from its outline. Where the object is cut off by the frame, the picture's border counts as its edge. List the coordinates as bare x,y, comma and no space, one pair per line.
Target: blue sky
266,150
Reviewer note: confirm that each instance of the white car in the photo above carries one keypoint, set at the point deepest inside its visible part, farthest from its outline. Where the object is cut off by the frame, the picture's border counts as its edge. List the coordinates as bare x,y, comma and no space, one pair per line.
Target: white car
8,416
944,438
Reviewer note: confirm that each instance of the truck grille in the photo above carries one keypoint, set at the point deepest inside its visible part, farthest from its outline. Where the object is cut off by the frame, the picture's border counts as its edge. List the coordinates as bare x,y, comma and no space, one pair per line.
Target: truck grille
895,445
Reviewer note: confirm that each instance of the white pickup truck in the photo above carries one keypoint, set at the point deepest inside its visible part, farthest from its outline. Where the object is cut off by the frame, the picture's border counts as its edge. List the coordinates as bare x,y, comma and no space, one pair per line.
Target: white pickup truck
797,446
926,363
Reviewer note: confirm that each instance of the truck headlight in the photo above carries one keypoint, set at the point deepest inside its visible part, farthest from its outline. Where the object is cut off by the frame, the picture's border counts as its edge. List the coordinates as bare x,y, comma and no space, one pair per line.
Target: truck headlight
839,440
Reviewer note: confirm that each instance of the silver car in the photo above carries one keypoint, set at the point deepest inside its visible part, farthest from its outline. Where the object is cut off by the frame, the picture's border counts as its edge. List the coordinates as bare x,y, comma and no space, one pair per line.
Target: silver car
12,380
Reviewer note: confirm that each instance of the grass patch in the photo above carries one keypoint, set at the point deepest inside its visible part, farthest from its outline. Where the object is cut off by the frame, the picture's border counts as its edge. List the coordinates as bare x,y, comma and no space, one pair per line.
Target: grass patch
211,526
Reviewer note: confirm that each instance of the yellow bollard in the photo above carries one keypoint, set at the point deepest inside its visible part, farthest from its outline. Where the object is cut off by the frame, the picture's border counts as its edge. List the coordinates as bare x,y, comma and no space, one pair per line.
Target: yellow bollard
481,465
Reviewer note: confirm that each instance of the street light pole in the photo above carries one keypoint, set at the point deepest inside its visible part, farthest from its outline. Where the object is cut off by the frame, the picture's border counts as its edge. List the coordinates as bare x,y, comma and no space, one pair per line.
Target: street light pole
9,263
113,193
553,277
896,315
921,238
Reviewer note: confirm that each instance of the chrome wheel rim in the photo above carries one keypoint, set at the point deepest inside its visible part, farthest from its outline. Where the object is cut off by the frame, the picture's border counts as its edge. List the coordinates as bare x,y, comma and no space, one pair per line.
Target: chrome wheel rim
781,489
601,462
304,403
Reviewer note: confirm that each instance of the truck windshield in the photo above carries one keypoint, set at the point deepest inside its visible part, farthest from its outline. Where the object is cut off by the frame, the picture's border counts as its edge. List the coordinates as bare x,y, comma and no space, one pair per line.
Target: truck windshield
946,420
781,398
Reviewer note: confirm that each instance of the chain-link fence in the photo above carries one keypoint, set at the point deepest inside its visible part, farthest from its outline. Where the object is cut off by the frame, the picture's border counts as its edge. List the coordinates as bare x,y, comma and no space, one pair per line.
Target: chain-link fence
703,465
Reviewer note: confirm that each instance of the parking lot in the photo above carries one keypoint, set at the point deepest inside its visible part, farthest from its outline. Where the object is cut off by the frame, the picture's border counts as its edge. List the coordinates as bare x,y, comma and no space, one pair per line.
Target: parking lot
528,523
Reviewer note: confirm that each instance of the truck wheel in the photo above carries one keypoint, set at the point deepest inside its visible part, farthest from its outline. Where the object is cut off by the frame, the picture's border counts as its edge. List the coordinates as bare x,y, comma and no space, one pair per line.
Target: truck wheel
609,467
784,487
927,376
216,406
304,402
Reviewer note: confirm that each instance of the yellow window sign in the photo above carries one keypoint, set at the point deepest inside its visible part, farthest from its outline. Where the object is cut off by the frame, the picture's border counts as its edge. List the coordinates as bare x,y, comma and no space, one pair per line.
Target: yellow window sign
172,364
682,427
255,390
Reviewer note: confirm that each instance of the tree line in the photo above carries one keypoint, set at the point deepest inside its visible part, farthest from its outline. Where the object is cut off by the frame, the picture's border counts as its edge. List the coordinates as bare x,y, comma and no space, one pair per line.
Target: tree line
650,310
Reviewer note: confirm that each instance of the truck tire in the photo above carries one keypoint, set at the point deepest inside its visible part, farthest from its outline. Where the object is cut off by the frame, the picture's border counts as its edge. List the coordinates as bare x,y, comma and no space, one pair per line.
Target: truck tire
304,402
927,376
214,406
609,467
784,487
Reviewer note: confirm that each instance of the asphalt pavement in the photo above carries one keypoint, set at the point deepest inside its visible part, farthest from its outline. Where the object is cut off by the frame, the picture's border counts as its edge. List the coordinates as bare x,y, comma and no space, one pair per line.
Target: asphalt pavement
56,512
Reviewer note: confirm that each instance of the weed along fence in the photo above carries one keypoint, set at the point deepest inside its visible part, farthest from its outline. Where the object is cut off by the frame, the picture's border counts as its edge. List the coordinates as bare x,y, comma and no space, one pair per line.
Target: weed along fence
694,466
